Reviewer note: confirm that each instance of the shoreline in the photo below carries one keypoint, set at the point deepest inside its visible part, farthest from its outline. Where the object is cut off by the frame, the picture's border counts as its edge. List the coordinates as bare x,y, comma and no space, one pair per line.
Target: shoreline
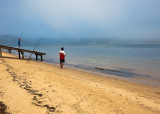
131,76
93,70
45,88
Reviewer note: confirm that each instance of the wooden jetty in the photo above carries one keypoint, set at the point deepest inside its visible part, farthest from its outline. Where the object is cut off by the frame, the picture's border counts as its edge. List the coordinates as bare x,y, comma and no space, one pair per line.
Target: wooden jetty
21,51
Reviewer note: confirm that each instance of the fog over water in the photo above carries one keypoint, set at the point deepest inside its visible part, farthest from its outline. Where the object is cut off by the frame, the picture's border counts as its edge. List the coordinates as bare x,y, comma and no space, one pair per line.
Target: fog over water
82,20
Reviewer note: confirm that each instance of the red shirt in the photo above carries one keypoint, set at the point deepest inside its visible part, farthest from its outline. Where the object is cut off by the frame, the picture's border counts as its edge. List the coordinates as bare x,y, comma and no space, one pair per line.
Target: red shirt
62,54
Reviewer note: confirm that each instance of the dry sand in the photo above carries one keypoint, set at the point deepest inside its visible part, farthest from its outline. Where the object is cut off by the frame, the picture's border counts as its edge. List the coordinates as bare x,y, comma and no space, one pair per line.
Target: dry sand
39,88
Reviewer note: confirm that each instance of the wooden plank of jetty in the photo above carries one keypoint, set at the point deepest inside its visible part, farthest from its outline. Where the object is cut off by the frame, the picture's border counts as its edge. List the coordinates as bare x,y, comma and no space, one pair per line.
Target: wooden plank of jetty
21,51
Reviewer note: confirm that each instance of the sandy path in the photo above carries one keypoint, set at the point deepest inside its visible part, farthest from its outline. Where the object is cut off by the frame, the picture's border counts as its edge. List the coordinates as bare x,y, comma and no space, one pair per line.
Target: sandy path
39,88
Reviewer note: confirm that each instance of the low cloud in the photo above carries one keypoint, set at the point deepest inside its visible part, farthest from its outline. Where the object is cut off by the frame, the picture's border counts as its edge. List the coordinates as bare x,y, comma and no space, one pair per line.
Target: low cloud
81,19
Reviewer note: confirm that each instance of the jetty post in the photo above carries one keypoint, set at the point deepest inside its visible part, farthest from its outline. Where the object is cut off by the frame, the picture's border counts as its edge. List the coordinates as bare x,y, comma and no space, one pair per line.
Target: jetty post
36,57
19,53
40,56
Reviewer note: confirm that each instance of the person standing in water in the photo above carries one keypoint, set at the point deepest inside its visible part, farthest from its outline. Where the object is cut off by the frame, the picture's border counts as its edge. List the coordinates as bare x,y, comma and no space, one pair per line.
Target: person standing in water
62,57
19,42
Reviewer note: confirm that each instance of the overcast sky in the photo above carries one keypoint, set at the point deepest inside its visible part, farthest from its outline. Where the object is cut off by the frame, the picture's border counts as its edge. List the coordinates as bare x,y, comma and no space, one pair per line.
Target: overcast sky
79,19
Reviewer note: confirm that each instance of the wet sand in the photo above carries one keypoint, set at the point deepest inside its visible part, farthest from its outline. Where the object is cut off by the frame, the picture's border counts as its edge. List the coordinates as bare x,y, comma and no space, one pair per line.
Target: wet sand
39,88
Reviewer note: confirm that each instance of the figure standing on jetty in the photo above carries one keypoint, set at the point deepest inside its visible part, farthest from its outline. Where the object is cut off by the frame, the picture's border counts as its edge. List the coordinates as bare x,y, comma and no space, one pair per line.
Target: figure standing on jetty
62,57
19,42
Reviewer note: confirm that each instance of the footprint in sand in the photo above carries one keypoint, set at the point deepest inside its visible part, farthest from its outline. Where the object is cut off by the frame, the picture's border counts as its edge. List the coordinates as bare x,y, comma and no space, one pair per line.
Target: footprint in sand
50,86
24,72
1,94
53,91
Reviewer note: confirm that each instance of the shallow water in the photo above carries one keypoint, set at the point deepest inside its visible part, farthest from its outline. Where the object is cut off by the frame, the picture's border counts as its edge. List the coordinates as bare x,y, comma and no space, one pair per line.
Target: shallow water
125,60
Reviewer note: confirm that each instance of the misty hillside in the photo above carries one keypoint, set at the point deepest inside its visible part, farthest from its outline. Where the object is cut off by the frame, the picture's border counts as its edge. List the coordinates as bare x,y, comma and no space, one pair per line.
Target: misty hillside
8,40
11,40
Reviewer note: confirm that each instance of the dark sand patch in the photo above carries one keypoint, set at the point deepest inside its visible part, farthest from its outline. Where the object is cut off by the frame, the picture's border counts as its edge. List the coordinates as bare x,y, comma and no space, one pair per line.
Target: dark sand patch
3,108
24,84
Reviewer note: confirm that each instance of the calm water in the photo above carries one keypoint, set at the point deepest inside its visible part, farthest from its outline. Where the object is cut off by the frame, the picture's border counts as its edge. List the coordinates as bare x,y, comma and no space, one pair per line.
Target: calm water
119,59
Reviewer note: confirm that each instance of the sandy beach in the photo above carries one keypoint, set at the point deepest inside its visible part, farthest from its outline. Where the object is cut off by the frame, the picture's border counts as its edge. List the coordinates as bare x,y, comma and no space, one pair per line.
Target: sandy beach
39,88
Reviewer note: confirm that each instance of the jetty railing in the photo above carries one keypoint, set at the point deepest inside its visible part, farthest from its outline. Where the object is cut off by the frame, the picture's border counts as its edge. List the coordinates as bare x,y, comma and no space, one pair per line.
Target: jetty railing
21,51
